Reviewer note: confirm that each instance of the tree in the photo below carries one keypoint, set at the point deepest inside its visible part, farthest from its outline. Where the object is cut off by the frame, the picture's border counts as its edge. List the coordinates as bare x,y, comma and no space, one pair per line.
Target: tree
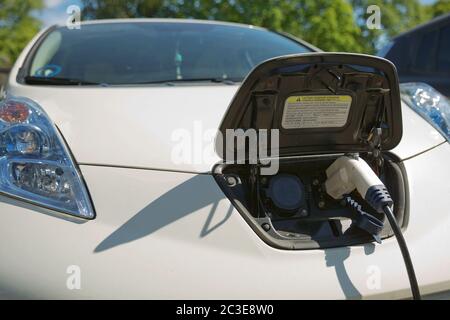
332,25
328,24
439,8
396,16
274,14
108,9
17,27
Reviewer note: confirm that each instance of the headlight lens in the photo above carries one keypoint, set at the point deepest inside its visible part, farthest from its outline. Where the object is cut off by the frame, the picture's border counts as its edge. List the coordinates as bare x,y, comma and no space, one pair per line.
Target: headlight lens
429,103
35,164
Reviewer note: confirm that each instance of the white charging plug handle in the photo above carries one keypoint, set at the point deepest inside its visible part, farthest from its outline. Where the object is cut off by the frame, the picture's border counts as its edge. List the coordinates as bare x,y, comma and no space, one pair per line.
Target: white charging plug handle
347,174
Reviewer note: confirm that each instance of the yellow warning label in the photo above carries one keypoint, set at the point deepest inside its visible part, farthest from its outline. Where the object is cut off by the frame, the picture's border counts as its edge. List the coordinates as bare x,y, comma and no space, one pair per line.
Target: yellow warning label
303,112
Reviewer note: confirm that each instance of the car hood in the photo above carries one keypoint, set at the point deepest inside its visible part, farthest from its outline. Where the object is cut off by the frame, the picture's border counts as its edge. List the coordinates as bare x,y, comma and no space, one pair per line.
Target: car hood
163,128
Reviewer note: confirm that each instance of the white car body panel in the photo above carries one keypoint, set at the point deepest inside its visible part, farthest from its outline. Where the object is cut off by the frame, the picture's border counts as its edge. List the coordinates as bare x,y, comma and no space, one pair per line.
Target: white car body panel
137,126
162,240
165,229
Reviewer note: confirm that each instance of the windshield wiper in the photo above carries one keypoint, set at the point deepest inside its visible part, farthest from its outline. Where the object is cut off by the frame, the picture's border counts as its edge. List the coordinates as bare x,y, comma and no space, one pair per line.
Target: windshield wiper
58,81
173,81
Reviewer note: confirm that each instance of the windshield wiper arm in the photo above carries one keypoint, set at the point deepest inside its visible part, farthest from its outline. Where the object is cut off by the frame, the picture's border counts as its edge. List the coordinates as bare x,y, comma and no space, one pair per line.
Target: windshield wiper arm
170,81
58,81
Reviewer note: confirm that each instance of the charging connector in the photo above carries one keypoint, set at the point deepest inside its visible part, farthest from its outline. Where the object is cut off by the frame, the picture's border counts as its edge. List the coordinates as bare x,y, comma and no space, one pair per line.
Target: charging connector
348,173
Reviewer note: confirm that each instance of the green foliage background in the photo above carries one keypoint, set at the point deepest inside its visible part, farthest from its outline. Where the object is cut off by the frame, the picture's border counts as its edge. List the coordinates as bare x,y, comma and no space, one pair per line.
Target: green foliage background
17,27
332,25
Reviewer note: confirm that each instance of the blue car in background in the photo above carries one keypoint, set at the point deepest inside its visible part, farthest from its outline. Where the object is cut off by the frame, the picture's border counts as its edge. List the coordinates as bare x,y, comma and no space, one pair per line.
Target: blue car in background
423,54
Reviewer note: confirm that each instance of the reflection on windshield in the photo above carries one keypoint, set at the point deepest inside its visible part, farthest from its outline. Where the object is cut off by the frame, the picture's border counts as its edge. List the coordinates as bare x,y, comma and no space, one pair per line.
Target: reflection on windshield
152,52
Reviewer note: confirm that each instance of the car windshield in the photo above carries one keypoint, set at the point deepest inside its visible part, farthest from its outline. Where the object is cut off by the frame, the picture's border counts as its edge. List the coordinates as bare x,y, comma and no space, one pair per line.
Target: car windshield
154,52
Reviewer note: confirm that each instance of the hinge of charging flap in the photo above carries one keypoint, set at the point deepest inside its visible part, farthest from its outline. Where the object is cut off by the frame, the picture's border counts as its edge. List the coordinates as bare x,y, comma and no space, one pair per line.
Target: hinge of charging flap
255,190
374,141
375,137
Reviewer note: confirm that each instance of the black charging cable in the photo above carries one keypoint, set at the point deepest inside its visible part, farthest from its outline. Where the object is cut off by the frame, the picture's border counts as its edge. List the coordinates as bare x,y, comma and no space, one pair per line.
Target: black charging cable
379,198
405,253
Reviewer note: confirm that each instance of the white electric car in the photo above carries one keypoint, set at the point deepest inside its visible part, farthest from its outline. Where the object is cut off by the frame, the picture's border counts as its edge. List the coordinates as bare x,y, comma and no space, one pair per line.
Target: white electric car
113,184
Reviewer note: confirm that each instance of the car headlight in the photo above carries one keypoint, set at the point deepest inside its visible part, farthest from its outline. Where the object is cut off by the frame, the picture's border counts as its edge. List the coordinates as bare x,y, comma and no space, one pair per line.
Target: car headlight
35,164
429,103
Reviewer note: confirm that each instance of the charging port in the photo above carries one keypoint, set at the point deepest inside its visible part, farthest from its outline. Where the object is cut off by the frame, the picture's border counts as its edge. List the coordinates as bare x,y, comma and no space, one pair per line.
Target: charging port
292,210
